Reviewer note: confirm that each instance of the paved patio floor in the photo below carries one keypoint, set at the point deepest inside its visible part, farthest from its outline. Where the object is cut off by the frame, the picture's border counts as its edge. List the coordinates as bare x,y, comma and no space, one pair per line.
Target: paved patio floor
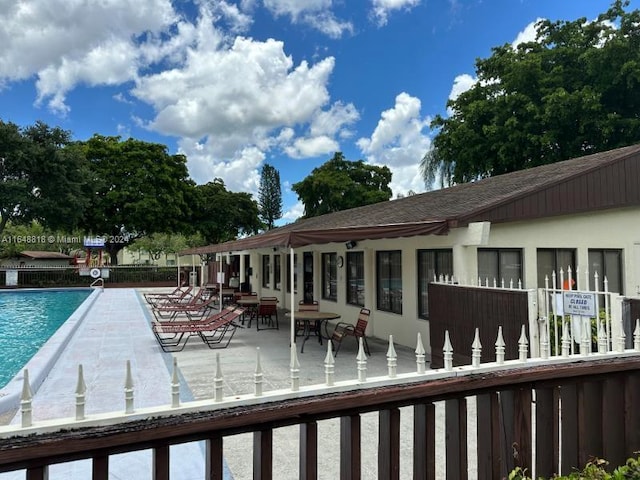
117,330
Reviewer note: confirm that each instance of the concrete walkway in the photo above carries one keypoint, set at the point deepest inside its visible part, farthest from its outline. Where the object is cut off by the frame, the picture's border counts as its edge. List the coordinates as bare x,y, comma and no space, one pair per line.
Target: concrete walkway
115,330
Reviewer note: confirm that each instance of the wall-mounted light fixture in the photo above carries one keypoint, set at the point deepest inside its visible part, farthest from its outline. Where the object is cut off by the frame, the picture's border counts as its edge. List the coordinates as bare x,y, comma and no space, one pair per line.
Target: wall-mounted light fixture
350,244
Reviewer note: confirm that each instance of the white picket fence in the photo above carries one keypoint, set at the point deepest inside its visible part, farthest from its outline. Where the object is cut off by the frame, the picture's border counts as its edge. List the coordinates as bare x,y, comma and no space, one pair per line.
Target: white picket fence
579,319
560,333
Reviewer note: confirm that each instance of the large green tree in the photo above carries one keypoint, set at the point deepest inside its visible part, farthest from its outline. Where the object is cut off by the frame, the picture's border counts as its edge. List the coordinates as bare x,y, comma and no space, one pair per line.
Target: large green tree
42,177
270,196
140,189
340,184
220,215
573,91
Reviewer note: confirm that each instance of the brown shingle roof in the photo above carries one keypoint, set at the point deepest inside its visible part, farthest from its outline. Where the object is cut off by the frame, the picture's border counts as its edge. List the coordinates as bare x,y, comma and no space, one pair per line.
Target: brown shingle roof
41,255
602,180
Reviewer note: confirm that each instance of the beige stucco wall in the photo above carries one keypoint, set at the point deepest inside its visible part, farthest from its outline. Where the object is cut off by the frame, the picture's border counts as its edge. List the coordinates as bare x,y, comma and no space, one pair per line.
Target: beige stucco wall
616,229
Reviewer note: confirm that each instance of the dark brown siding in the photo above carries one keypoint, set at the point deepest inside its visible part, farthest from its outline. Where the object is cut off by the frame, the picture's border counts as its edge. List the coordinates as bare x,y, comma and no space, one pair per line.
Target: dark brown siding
610,186
461,310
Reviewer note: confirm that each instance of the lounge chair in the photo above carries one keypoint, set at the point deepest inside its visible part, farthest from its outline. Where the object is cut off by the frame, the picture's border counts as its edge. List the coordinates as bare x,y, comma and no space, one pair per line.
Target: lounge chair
180,294
195,309
173,337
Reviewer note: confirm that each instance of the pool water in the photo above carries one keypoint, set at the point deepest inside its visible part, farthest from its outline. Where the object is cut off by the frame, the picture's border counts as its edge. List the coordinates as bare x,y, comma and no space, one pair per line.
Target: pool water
27,320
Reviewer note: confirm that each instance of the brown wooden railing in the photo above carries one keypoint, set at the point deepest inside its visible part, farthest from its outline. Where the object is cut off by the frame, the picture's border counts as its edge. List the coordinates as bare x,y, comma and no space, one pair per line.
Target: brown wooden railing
565,410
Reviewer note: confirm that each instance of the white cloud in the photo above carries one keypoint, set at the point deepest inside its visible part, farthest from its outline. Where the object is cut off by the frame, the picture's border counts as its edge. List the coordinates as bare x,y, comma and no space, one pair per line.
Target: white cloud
380,9
67,42
399,141
311,147
315,13
461,84
528,34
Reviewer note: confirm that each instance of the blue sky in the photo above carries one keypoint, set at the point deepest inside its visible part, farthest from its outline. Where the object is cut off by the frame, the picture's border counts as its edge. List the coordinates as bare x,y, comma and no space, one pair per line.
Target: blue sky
235,84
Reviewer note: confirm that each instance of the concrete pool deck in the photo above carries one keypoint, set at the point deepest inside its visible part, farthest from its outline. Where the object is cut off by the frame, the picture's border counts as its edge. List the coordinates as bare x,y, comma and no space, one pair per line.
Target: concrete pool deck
114,331
117,330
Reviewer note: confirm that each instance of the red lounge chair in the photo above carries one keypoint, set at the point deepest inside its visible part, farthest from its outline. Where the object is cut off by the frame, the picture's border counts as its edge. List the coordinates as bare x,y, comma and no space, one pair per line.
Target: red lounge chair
195,309
173,337
180,294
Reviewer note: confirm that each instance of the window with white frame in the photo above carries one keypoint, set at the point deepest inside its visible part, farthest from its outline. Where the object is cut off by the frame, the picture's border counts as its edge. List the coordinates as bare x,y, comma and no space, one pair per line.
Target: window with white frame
329,276
277,272
266,270
500,265
557,260
389,281
431,264
607,263
355,278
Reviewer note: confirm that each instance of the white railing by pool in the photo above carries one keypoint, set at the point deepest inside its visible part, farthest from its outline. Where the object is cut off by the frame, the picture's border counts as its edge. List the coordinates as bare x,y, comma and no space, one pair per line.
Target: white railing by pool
502,384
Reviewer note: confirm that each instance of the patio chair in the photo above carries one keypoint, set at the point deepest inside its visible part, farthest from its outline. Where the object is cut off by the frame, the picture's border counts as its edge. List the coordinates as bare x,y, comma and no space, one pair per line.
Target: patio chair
344,329
305,307
267,313
173,337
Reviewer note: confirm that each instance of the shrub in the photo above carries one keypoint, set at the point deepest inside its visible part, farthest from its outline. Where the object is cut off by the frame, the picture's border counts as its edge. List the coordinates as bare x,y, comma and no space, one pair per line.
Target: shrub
593,470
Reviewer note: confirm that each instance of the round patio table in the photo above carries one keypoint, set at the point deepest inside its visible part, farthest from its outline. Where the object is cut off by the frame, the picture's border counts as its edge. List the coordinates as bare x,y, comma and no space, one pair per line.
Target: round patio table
320,318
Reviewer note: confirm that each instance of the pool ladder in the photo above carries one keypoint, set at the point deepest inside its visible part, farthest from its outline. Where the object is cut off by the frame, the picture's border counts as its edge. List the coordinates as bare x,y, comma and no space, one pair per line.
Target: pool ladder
98,282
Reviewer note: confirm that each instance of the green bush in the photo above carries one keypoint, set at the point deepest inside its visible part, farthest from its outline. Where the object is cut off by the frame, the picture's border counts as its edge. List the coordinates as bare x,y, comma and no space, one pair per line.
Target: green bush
594,470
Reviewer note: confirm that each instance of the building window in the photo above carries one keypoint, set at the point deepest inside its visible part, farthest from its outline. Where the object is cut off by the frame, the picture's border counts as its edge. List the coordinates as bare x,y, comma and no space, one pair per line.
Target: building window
329,276
608,264
500,265
355,278
266,270
295,273
389,281
431,264
277,272
552,260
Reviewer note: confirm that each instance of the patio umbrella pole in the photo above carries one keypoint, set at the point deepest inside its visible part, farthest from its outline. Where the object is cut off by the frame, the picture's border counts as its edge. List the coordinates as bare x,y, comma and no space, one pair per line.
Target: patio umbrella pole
220,297
293,297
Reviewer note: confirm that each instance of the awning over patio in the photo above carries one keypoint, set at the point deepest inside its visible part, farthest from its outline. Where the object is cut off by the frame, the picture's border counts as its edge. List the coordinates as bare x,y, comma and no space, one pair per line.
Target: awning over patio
290,237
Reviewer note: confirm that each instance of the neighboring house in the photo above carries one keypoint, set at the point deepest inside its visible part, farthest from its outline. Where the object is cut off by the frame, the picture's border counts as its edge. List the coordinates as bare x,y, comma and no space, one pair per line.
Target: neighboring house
130,257
582,213
34,258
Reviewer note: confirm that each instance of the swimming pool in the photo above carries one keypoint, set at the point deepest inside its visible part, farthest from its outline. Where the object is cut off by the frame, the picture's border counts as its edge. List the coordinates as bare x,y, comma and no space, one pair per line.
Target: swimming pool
28,318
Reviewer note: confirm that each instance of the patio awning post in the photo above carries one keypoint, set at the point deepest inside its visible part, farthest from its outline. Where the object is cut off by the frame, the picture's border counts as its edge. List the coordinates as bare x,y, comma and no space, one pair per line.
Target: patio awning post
220,296
293,297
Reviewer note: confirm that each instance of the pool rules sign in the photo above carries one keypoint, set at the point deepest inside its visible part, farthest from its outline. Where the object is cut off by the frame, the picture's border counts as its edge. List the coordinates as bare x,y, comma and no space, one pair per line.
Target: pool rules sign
579,303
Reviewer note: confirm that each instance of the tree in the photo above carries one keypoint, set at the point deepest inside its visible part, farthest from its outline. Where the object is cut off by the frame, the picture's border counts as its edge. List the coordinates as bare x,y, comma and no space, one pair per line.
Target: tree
139,190
270,196
574,91
43,177
159,244
340,184
220,215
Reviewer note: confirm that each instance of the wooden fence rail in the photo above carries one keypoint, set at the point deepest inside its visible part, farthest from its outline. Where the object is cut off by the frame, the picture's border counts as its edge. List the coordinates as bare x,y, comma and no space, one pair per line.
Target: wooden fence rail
559,411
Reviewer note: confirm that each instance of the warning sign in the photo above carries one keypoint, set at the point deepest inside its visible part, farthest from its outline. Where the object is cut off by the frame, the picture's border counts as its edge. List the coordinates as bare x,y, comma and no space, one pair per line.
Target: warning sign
579,303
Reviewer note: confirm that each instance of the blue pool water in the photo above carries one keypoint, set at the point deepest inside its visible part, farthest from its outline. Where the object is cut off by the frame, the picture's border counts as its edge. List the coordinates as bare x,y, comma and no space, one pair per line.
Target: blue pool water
27,320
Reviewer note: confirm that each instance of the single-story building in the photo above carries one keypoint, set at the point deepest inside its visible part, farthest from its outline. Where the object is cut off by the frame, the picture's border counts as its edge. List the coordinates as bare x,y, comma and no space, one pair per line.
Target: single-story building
37,258
582,214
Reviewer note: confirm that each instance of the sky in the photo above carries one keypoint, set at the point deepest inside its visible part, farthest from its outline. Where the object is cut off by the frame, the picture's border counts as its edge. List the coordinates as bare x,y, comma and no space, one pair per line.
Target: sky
233,85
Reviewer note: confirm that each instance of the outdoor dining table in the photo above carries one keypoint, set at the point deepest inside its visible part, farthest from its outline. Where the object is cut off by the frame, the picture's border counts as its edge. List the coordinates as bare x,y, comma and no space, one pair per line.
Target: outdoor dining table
227,295
320,319
252,309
